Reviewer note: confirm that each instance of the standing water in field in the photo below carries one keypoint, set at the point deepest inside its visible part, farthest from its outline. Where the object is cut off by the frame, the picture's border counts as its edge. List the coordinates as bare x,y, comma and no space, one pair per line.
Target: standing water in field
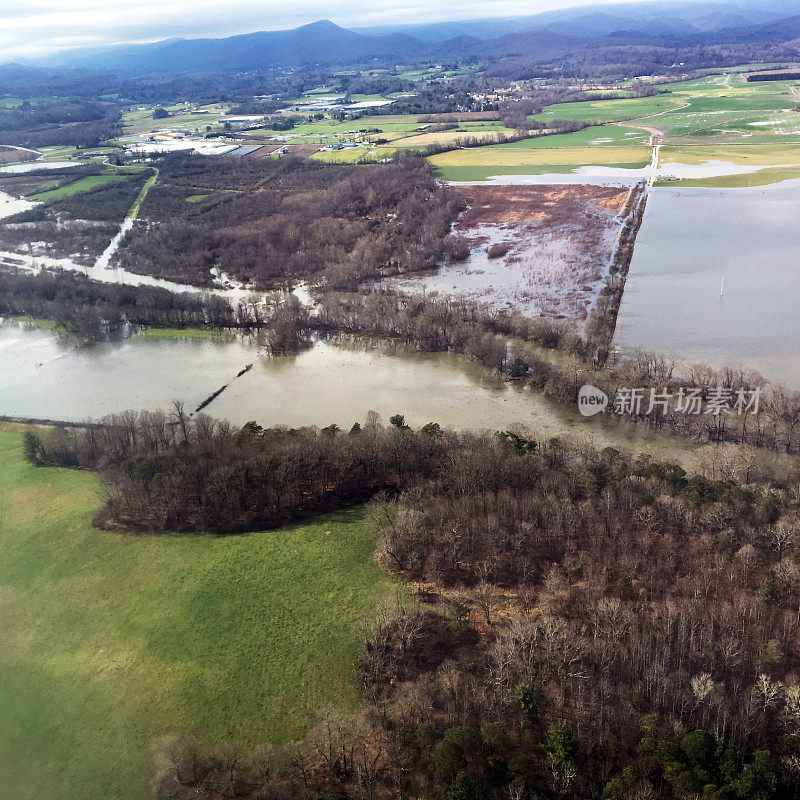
46,376
674,299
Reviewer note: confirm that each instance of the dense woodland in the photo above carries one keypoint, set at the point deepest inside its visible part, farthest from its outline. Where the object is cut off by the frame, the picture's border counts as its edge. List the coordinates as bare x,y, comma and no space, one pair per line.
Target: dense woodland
59,121
272,222
586,625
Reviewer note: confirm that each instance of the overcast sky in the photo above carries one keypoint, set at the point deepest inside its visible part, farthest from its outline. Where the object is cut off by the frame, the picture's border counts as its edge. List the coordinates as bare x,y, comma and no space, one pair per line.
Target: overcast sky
28,27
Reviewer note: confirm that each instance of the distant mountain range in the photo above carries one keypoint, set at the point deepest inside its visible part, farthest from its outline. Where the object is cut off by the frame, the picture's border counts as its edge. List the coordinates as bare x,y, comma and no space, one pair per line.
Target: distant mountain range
671,18
324,44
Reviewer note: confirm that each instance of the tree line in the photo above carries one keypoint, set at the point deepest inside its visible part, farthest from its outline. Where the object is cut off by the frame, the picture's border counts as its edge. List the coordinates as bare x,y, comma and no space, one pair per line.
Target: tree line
91,309
517,347
60,121
550,357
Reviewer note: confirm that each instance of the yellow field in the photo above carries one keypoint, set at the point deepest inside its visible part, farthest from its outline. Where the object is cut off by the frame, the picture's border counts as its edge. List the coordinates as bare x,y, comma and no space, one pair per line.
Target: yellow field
446,137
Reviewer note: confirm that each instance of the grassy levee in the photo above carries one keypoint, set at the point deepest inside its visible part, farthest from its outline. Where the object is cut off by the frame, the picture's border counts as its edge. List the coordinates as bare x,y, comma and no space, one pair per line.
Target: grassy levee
109,639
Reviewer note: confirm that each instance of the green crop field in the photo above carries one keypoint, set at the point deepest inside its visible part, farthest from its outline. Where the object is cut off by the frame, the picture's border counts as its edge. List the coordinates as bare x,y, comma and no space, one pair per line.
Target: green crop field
109,640
599,111
593,136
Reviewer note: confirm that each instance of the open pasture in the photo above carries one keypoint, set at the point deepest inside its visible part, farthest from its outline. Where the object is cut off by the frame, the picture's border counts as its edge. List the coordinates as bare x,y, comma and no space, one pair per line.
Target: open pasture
599,111
110,640
593,136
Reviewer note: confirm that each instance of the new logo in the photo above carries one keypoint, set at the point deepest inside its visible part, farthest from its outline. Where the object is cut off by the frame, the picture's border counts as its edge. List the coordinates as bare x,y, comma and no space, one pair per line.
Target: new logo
591,400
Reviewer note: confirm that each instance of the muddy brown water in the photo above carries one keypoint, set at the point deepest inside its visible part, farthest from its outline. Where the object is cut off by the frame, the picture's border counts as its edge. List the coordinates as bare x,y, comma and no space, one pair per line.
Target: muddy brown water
44,375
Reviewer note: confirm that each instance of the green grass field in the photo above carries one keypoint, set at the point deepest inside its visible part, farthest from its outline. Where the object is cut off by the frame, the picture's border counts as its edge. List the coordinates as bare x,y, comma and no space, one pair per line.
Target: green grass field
593,136
598,111
81,185
140,119
109,640
470,174
716,117
152,332
763,177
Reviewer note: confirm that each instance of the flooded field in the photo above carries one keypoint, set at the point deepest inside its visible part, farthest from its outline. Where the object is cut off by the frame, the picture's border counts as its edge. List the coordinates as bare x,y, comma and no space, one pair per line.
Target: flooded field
693,240
670,166
34,166
542,251
46,376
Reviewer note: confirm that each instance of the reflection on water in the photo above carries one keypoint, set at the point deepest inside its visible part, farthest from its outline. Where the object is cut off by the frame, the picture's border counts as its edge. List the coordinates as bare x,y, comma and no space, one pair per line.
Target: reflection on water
693,238
45,376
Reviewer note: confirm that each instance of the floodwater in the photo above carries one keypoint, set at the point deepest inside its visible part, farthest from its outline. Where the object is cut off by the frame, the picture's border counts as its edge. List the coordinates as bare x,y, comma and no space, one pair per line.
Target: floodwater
715,277
10,205
46,376
101,269
33,166
43,375
608,174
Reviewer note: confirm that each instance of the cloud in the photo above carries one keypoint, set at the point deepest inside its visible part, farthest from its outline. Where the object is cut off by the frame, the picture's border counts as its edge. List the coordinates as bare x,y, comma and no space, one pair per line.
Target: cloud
40,26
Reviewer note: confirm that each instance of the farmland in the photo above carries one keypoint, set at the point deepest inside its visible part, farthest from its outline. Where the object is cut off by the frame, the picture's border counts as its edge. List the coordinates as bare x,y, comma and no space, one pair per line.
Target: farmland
111,640
713,118
478,163
706,112
79,186
182,117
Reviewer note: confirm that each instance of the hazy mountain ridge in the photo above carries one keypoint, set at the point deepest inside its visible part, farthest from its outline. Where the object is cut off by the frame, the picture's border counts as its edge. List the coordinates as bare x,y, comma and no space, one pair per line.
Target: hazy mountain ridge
323,43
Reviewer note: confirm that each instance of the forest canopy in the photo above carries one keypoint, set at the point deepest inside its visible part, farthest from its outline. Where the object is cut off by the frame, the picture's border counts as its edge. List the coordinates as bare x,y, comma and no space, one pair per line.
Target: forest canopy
276,221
